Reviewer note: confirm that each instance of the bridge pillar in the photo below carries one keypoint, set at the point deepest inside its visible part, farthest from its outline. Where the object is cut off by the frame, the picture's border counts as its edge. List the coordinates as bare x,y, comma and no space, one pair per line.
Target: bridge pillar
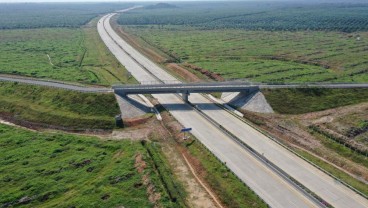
185,96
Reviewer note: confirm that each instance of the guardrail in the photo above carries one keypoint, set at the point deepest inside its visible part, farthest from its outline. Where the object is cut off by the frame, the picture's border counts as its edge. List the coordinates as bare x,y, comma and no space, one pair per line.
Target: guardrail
159,81
292,151
314,197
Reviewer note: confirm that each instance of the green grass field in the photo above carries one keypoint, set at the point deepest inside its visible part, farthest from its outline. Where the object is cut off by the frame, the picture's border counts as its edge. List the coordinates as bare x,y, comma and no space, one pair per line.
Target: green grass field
265,56
59,170
298,101
24,52
76,55
50,106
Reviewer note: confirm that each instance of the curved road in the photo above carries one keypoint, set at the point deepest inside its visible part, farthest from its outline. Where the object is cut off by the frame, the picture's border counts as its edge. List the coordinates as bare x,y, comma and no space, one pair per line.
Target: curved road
55,84
270,186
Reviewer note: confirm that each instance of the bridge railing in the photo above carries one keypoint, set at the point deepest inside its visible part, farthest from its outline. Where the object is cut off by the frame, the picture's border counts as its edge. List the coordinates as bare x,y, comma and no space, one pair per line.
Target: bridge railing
176,83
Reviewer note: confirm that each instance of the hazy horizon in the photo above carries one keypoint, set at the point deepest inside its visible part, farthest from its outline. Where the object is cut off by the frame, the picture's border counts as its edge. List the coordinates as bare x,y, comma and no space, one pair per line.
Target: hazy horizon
105,1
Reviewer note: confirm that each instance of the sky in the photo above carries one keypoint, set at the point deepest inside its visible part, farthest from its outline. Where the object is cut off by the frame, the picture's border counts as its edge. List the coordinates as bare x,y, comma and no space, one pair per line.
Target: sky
17,1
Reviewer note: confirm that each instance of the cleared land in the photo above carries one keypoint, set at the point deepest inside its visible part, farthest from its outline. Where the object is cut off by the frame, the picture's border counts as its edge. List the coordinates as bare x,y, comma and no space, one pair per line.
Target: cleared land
331,145
58,41
271,16
264,56
264,42
76,55
58,170
43,106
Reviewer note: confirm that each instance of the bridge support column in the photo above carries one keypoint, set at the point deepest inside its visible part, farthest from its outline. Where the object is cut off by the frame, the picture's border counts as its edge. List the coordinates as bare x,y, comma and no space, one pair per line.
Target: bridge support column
185,96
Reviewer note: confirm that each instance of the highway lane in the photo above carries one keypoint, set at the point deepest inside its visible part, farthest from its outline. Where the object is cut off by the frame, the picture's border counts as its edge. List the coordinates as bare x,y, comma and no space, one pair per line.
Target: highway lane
270,186
317,181
56,84
325,186
320,183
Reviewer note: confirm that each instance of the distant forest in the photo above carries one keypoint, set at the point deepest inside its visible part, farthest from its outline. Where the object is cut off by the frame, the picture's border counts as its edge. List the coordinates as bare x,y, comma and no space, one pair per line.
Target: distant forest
270,16
40,15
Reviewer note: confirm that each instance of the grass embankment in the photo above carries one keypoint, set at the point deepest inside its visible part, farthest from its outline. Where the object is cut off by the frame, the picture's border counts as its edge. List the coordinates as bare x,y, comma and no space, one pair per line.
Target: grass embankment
99,60
57,107
360,186
75,55
175,190
298,101
230,189
264,56
59,170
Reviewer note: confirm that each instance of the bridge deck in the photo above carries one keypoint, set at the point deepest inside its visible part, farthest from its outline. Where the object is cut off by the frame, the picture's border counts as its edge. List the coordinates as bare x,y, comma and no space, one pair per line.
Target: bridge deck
183,88
216,87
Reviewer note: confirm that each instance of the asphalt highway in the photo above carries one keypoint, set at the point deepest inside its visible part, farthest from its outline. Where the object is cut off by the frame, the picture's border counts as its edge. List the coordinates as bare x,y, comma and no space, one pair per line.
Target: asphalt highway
268,185
275,190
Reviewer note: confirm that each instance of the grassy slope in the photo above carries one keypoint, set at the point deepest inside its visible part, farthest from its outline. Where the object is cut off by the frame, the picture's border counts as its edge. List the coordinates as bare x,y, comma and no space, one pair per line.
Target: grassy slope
99,60
49,168
58,107
360,186
265,56
77,55
298,101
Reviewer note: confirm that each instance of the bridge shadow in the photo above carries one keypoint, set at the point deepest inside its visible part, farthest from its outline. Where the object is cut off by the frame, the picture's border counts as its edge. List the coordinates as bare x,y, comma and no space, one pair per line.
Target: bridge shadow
242,98
189,107
135,103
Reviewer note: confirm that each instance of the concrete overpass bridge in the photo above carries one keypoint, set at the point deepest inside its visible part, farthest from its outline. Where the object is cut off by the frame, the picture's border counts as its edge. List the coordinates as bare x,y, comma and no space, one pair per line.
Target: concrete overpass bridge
186,88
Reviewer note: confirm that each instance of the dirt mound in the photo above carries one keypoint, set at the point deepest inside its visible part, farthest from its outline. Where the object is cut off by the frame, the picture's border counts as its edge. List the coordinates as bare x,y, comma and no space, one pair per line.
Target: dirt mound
153,195
140,164
209,74
187,75
130,122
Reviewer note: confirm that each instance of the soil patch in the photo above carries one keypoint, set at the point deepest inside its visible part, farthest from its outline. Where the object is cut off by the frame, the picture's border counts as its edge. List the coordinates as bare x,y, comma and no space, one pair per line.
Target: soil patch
292,130
182,72
209,74
9,118
131,122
